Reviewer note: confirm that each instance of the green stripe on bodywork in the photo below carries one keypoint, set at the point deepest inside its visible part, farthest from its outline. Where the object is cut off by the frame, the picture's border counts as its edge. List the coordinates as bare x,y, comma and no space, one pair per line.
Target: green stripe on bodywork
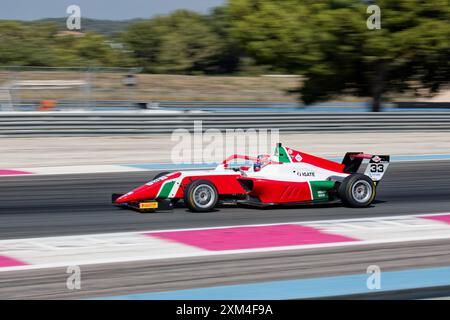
282,155
165,190
319,189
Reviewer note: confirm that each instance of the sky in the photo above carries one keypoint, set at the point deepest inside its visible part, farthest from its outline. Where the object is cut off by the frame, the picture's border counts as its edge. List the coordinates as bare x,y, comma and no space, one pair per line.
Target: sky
99,9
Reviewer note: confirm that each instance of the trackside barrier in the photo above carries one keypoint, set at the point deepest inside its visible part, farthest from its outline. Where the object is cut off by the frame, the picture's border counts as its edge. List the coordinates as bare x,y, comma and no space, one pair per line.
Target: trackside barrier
149,122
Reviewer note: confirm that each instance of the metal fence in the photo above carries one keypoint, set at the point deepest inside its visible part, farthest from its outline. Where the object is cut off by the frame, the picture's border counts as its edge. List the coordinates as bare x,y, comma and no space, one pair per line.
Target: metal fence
150,122
117,105
219,106
29,86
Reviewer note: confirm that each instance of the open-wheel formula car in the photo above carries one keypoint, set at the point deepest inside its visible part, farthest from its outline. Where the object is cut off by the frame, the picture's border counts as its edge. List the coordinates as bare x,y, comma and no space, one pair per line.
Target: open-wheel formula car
288,177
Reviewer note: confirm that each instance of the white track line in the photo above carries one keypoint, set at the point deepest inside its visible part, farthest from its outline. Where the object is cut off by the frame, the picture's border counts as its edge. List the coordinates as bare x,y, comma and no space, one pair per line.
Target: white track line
135,246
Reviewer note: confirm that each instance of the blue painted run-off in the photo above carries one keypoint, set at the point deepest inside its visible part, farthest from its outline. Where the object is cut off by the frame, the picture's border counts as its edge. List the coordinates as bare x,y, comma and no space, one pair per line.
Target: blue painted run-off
308,288
186,166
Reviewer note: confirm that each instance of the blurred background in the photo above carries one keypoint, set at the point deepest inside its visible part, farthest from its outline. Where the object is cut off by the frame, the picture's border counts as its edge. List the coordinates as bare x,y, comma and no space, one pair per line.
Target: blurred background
90,111
291,53
146,68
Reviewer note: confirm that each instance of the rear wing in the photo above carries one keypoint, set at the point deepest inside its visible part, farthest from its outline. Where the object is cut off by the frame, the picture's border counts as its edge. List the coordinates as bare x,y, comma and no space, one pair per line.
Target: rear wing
375,169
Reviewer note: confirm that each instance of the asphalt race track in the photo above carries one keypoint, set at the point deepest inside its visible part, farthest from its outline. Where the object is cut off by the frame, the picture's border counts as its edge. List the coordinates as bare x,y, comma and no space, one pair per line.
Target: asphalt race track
38,206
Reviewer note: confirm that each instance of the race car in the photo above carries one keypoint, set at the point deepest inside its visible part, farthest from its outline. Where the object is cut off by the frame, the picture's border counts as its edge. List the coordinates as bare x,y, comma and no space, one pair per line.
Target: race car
288,177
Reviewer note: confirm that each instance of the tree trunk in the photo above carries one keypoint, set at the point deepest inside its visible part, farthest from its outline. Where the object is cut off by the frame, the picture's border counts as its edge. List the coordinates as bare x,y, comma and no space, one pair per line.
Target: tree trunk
378,86
376,102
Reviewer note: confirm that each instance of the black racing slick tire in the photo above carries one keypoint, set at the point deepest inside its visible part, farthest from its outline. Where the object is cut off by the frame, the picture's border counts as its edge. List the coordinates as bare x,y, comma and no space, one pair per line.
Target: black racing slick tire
357,191
161,174
201,196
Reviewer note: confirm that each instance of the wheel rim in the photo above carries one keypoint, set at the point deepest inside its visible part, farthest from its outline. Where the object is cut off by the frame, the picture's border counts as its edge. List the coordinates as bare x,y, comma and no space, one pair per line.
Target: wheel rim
362,191
204,196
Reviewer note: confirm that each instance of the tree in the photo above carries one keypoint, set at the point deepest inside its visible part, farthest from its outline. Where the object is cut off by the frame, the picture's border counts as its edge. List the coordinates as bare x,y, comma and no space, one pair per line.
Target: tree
21,45
183,42
39,44
231,54
329,43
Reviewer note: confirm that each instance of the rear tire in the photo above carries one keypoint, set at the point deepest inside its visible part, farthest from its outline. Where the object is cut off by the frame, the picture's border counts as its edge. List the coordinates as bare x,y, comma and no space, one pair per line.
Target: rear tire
357,191
201,196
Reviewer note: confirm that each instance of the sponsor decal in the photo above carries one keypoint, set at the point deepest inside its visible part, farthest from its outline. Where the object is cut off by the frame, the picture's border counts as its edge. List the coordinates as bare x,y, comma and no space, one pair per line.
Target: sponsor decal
157,180
306,173
298,157
320,189
377,167
148,205
321,194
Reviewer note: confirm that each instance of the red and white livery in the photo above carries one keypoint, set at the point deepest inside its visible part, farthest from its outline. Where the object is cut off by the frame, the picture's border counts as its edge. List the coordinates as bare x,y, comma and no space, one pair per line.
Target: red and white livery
288,177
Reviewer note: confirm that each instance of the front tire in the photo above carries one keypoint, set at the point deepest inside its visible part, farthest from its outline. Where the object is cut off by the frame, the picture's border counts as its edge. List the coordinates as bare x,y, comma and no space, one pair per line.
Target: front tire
201,196
357,191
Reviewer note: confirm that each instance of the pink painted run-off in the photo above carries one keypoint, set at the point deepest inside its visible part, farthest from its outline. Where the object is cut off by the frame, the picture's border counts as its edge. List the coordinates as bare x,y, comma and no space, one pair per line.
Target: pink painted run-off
442,218
251,237
5,172
10,262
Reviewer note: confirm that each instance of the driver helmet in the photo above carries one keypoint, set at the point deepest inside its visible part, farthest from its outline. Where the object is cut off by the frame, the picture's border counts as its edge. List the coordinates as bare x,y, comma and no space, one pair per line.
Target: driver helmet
262,161
257,166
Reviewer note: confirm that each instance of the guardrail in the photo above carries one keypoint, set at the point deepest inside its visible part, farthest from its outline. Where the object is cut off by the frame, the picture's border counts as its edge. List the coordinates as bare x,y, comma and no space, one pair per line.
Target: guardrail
149,122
